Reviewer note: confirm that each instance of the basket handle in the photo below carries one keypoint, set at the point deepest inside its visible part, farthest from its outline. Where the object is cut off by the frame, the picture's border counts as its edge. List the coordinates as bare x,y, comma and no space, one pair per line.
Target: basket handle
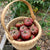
4,12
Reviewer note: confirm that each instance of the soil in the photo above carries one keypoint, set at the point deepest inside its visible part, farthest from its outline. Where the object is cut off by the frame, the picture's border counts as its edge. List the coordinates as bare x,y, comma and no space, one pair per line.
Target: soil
7,19
1,28
43,42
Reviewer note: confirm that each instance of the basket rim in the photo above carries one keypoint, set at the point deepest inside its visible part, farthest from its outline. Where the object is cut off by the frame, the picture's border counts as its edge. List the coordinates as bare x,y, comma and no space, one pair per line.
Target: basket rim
33,40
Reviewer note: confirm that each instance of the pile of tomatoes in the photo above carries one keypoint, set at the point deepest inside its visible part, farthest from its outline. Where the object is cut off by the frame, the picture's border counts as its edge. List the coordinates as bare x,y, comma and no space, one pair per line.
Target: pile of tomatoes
24,30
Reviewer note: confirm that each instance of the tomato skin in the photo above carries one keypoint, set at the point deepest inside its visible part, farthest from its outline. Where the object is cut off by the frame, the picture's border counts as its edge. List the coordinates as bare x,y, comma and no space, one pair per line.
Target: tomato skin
34,29
26,34
27,22
32,37
22,28
31,20
19,24
19,39
15,37
15,34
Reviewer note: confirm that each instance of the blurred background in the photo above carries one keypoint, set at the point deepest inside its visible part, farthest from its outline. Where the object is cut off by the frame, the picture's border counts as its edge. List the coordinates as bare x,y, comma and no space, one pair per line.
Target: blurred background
41,9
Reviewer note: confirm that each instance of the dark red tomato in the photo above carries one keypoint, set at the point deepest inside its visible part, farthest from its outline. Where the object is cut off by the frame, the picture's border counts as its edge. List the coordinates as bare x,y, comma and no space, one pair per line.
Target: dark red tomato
34,29
22,28
31,19
26,34
32,36
19,39
15,34
19,24
27,22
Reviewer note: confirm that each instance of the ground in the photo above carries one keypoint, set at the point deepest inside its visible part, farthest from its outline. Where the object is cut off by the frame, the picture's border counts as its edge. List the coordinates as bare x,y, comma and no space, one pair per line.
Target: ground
43,42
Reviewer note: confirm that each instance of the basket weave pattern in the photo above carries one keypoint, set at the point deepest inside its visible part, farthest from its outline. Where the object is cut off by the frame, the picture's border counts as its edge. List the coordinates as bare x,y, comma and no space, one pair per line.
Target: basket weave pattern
24,45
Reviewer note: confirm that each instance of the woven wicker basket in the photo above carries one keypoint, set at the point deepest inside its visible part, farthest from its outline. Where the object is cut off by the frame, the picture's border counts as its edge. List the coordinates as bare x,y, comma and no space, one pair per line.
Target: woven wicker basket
24,45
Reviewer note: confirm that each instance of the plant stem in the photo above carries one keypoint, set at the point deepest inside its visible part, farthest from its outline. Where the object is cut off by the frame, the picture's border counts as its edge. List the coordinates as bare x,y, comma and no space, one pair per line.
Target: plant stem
46,14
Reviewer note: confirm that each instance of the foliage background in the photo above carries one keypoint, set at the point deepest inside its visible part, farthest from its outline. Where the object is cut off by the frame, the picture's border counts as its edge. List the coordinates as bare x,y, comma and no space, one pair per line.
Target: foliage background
41,9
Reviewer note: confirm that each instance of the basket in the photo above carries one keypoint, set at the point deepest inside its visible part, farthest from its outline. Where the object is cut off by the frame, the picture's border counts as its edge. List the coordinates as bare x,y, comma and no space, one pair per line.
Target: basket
24,45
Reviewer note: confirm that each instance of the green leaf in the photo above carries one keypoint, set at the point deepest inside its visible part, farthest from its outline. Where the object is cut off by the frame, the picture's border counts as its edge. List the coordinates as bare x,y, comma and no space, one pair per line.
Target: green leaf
38,48
41,2
28,11
48,33
13,28
34,1
37,1
48,28
0,3
42,23
48,23
48,18
19,5
41,14
31,37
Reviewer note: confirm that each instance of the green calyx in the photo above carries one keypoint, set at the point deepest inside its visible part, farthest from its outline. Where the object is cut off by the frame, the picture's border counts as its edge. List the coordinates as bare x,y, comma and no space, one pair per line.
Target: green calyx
24,31
22,27
14,32
31,36
20,23
27,20
13,28
32,29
